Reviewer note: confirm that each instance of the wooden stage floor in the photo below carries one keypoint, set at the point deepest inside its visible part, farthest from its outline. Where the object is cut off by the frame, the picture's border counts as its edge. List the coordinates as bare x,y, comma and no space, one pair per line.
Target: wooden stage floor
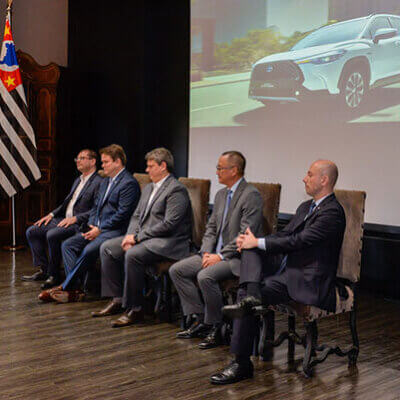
56,352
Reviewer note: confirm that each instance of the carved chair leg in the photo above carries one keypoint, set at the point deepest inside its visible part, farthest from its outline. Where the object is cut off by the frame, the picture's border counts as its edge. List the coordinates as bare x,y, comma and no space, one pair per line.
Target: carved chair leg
311,340
267,336
291,342
353,353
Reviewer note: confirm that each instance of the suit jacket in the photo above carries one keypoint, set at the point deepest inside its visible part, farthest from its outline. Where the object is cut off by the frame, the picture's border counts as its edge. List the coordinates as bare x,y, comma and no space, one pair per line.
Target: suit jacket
114,211
313,246
85,200
166,227
245,210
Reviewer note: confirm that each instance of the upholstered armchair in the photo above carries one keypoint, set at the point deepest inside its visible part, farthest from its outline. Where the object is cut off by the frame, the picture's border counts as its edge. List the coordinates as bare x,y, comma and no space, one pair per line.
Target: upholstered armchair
348,275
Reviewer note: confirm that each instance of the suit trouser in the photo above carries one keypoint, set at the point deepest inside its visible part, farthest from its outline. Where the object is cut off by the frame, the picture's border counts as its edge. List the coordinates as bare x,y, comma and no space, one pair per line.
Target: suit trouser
123,273
80,254
50,236
254,265
184,274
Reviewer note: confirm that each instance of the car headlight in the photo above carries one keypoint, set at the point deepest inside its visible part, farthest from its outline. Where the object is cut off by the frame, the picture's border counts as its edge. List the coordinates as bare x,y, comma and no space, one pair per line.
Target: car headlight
323,59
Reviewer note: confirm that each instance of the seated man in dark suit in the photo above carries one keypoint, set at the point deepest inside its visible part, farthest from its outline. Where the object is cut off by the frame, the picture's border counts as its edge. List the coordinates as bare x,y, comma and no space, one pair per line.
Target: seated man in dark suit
63,222
236,207
117,198
311,243
160,228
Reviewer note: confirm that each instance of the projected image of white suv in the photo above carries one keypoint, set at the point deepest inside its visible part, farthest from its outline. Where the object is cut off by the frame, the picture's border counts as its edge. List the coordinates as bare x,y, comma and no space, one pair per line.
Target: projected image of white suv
347,59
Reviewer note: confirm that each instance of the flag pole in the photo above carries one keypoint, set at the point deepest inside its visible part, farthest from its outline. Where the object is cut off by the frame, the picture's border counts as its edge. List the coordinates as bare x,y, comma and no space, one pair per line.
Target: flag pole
13,246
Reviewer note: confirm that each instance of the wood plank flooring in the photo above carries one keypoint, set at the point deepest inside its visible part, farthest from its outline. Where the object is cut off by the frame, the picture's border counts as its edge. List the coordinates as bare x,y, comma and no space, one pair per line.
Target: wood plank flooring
59,352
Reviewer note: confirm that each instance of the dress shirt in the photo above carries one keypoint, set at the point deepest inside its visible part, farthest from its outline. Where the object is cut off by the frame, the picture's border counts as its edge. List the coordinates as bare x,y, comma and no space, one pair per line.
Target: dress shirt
156,186
261,242
70,207
232,189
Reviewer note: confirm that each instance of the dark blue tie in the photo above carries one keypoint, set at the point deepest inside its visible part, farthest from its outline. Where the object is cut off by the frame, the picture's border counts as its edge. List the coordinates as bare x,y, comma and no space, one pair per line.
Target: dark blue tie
284,260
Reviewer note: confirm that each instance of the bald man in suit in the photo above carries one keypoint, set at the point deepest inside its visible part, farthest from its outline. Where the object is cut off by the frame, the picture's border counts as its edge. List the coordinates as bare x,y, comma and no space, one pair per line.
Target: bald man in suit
310,243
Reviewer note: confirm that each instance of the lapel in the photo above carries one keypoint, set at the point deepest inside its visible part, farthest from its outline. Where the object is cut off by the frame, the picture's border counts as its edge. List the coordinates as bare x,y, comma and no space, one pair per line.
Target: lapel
235,198
302,216
85,187
112,188
146,196
74,186
156,196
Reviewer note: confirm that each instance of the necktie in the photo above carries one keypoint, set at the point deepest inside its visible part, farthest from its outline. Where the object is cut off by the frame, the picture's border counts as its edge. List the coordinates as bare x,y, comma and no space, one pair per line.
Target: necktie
227,204
284,260
312,208
105,197
108,189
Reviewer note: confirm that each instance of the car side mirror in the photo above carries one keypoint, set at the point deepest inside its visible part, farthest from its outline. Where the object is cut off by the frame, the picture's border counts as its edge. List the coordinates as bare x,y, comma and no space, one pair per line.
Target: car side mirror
384,33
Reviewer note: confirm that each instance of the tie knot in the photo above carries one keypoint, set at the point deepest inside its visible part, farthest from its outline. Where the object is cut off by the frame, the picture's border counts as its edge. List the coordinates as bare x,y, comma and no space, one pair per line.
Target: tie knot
312,206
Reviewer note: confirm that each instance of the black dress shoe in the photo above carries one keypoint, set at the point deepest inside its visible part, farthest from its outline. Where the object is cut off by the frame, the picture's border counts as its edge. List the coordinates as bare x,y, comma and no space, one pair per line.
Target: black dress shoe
37,276
244,308
196,330
50,282
213,339
234,372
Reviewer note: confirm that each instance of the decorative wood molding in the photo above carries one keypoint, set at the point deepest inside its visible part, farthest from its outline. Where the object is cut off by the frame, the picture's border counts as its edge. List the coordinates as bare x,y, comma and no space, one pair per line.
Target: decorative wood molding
40,84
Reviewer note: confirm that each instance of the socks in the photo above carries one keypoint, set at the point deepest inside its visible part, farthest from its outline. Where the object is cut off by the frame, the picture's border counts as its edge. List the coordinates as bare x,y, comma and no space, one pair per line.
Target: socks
242,359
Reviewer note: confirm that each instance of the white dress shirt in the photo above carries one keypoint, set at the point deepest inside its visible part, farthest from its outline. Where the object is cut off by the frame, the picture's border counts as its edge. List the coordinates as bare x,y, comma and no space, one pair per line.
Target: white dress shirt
70,207
156,186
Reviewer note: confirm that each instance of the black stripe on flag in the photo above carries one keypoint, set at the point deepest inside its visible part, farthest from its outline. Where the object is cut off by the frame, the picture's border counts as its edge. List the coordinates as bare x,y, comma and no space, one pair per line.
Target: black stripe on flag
10,175
16,155
15,124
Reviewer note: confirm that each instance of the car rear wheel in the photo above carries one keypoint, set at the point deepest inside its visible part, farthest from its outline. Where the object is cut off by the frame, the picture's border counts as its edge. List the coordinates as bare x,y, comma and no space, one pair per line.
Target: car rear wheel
354,88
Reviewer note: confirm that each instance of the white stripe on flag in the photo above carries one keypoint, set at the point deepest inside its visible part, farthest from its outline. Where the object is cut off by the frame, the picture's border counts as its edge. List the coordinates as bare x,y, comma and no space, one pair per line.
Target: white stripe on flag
13,165
19,145
6,185
13,106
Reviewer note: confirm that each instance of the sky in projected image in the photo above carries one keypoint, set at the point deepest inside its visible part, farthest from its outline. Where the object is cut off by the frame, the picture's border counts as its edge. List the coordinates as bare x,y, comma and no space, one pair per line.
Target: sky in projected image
290,81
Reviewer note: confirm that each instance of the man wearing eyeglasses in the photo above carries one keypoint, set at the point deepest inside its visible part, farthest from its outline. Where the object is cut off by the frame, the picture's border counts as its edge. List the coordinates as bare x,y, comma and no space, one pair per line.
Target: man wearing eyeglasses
63,222
236,207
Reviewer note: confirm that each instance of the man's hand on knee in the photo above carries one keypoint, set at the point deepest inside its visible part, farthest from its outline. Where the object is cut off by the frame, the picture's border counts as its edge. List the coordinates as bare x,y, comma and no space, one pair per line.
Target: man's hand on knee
92,234
128,242
44,220
210,259
66,222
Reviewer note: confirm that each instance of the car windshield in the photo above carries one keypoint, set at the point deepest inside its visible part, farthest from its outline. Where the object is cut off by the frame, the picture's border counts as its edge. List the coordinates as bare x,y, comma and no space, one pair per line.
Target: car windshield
332,34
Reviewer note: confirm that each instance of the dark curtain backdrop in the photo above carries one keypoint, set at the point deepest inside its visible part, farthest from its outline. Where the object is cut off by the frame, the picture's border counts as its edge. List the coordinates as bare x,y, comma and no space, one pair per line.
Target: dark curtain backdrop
127,80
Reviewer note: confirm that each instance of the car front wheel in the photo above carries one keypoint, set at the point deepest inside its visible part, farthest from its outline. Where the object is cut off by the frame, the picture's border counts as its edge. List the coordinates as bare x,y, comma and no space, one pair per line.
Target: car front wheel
354,88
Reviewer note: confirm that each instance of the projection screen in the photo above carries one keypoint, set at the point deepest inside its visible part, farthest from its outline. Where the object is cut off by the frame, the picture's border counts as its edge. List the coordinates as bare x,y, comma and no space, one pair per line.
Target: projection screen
287,82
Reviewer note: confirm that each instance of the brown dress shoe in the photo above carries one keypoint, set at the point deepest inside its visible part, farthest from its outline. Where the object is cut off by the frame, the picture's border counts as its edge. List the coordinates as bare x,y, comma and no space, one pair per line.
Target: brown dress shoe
128,318
67,296
45,295
111,308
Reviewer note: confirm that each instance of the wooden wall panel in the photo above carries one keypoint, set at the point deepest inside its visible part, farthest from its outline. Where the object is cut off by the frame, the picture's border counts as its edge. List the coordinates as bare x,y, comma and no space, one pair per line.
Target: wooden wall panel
40,83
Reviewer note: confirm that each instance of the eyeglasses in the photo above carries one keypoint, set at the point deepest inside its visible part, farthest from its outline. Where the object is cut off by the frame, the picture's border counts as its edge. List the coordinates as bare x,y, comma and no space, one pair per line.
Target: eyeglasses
218,168
81,158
